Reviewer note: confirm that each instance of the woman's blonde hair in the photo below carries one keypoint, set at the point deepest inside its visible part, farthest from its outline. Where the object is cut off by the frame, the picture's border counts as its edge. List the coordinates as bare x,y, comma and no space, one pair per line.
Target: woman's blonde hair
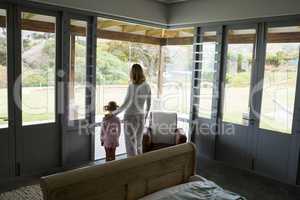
137,74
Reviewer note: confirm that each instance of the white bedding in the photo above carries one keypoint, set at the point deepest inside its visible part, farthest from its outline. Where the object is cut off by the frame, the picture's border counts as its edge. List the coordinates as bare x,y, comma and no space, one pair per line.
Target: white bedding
197,189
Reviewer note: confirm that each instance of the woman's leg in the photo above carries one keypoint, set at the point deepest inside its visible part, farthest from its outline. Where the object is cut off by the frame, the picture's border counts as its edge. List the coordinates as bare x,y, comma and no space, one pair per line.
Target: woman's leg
130,135
140,133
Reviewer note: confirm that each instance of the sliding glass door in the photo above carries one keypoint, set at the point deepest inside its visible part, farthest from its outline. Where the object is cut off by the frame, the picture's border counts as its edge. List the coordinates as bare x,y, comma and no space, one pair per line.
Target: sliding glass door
260,80
280,79
36,116
276,152
239,72
78,95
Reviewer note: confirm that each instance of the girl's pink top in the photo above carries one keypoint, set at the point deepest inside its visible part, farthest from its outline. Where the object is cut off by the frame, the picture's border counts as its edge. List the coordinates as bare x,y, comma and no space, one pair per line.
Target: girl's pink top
110,131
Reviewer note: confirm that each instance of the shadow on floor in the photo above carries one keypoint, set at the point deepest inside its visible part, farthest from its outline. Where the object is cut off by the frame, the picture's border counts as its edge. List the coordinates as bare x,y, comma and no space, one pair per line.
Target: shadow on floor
247,184
17,182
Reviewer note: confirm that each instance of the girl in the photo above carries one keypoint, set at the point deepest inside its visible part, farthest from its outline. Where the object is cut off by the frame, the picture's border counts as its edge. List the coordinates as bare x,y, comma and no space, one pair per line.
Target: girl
138,94
110,131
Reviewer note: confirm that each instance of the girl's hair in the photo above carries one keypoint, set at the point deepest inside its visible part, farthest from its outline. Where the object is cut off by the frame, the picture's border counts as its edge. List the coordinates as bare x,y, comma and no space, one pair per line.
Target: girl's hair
137,74
111,106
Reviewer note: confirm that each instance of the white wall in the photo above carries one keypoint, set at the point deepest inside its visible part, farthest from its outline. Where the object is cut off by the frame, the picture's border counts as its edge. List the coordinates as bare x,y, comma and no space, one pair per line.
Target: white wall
145,10
203,11
194,11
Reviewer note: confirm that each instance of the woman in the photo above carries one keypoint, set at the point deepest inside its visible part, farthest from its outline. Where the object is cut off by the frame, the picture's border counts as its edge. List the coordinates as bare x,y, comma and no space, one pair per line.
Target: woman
138,93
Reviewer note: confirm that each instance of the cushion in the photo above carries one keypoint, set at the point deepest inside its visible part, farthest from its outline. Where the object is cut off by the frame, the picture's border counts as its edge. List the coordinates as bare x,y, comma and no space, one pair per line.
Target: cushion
163,126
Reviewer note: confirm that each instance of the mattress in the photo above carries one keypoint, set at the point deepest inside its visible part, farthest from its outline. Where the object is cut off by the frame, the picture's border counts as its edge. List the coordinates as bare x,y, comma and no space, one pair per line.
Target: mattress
197,189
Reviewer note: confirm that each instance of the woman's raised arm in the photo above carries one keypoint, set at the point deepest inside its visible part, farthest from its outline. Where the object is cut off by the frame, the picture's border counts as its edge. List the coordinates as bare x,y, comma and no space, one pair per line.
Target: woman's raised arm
126,102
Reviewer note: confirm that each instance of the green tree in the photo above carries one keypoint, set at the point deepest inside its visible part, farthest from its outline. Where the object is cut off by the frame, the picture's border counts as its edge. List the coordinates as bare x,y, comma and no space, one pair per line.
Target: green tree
110,69
240,59
276,59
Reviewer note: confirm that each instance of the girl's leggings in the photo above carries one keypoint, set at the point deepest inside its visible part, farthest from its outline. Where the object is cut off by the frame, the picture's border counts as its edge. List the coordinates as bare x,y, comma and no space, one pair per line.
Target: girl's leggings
110,153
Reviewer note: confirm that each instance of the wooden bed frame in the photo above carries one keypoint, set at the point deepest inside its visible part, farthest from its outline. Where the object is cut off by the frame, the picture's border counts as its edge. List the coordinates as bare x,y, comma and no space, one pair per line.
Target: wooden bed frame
127,179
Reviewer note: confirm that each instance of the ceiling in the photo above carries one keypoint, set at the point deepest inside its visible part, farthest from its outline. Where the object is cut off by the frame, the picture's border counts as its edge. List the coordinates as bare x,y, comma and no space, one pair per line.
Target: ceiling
125,27
118,26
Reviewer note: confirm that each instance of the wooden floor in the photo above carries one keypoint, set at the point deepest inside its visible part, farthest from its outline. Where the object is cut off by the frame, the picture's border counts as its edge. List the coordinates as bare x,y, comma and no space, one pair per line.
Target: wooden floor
247,184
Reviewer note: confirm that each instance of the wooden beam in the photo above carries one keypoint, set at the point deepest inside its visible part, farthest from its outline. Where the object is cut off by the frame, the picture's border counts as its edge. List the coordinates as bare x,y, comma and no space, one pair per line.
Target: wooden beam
77,30
127,37
171,34
239,39
155,32
33,25
177,41
284,37
113,35
188,30
134,28
209,38
109,23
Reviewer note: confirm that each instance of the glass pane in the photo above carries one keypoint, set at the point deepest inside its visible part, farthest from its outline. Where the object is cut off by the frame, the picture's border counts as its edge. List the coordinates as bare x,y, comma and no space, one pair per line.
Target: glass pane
3,71
77,71
238,74
112,74
177,74
148,56
38,68
114,59
280,76
207,74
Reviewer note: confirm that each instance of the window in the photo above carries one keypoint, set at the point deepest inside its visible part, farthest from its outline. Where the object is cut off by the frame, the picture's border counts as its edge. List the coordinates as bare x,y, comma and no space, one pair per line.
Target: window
280,77
3,72
114,60
111,75
77,70
121,44
239,61
38,68
207,74
177,74
175,83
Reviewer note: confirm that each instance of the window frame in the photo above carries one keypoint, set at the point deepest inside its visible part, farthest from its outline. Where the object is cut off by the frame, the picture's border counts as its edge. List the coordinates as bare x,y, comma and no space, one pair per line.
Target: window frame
90,69
55,15
253,72
295,127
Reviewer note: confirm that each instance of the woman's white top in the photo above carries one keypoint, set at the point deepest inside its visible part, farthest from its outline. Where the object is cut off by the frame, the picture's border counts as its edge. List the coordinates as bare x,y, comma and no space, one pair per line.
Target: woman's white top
136,97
